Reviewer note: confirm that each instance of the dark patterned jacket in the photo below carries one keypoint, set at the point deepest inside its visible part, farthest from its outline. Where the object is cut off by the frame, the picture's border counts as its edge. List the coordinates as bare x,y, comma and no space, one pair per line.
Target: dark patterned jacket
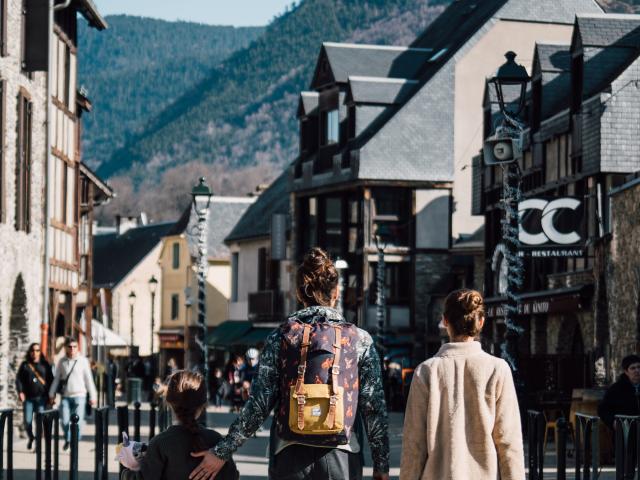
265,393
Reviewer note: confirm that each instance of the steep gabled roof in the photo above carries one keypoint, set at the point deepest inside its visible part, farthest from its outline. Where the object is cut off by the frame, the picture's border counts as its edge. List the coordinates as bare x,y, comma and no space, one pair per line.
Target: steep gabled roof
375,90
552,57
552,63
224,214
256,222
609,44
308,104
608,30
345,59
114,256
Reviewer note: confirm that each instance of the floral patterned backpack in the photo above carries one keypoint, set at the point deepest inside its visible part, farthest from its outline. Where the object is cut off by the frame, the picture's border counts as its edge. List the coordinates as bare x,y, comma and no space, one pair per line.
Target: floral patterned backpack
319,381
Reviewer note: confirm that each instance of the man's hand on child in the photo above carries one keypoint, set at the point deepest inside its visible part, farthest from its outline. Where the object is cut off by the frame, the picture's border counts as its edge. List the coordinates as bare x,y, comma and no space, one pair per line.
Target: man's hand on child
208,468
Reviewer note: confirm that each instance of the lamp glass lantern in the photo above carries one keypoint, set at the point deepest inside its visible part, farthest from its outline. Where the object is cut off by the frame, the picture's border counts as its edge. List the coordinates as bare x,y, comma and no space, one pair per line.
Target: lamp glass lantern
510,84
153,284
383,235
132,299
201,195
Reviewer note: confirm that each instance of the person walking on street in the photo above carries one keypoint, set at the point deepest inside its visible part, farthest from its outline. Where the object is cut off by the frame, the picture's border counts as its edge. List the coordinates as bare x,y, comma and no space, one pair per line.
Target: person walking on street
33,381
623,398
462,420
317,373
73,380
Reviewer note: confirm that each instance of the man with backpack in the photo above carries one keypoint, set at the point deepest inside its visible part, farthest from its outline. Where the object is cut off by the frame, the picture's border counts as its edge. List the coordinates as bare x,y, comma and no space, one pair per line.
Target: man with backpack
317,373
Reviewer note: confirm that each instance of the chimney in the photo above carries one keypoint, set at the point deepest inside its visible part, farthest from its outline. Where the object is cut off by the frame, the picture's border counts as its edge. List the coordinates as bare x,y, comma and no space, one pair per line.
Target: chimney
125,223
144,219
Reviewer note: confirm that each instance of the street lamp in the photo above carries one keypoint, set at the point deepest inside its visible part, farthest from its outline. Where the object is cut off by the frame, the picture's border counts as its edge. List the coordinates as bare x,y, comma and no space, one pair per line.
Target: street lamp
381,238
201,195
341,266
153,287
132,302
510,84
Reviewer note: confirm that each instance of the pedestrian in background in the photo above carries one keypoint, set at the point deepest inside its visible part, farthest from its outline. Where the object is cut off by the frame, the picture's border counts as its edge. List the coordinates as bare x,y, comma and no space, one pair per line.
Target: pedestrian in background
73,380
623,398
33,381
462,420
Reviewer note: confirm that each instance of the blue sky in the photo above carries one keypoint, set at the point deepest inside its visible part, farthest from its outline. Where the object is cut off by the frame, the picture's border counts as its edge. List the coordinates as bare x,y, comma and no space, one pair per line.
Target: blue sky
214,12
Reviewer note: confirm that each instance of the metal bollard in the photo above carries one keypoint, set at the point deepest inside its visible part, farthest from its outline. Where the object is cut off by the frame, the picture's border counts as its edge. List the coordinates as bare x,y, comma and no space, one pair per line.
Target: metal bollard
6,424
136,421
561,449
536,424
73,462
48,430
152,420
587,446
101,444
122,413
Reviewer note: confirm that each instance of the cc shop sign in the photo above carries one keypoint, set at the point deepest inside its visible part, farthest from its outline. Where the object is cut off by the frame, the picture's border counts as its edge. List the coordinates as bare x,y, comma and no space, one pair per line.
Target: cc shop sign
552,227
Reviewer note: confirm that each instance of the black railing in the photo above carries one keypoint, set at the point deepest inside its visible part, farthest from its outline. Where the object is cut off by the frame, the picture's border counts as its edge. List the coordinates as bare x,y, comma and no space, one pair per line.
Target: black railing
587,446
101,418
627,430
47,431
536,425
562,427
75,437
6,426
136,421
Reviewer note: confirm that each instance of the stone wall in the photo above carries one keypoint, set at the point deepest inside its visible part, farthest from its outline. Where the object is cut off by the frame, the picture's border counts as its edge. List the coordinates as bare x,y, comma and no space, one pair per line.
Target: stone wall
22,254
623,276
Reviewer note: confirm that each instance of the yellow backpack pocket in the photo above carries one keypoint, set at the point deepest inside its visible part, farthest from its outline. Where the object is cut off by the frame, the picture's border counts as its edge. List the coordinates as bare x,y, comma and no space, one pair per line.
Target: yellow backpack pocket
310,412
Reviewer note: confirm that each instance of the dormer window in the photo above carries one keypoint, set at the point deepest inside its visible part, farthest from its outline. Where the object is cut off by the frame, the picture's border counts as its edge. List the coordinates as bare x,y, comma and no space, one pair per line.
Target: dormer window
332,127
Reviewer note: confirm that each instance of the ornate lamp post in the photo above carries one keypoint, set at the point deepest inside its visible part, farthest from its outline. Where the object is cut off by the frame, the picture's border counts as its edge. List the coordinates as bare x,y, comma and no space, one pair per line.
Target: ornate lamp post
510,84
341,266
132,302
153,287
201,195
381,238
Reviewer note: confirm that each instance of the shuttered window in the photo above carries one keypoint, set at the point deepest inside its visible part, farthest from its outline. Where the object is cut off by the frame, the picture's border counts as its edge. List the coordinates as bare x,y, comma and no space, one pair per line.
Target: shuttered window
23,164
3,117
3,27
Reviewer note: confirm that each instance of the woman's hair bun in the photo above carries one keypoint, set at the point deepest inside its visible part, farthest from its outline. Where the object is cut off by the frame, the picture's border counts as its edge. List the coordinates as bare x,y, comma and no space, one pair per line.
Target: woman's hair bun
464,310
316,278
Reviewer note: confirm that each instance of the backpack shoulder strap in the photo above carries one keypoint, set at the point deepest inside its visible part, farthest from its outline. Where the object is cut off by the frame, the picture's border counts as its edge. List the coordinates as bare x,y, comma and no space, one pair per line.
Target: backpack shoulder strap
302,367
335,372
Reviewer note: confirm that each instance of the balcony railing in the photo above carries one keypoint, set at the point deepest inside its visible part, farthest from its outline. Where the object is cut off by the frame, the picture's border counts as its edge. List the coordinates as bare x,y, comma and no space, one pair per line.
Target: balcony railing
266,306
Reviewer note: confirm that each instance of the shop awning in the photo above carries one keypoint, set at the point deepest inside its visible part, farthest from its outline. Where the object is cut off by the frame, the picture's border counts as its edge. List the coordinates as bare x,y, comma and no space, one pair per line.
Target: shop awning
227,332
104,337
254,337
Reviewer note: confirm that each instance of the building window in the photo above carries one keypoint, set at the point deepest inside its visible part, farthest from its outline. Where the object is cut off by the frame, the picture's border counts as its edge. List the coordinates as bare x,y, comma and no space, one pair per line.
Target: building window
234,276
23,164
175,306
333,127
3,116
176,256
396,275
3,27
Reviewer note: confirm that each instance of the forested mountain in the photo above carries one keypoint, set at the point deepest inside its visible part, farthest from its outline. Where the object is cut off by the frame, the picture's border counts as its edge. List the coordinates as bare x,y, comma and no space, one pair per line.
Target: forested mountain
238,126
621,6
139,66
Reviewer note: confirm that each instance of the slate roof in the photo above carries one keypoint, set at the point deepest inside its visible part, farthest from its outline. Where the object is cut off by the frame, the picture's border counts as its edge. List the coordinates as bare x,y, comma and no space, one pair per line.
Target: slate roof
553,63
114,256
224,214
608,30
553,57
308,103
347,59
385,91
610,43
256,221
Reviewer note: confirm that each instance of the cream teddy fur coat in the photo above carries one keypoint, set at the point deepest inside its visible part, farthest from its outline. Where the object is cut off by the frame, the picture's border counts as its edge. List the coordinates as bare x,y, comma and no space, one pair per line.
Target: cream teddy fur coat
462,420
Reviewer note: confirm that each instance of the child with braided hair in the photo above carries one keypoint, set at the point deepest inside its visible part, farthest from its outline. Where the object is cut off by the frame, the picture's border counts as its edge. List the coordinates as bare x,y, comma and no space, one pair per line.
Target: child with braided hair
168,455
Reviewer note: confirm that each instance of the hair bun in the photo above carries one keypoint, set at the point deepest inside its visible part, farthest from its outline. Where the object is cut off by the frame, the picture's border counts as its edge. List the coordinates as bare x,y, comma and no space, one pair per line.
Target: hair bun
317,278
464,310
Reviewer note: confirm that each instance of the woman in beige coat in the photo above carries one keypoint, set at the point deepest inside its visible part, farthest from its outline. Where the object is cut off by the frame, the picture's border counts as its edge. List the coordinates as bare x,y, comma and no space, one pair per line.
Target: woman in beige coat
462,420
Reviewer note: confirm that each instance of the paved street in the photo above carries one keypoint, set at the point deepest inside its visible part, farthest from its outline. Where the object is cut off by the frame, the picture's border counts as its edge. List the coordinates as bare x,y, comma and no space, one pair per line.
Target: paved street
251,458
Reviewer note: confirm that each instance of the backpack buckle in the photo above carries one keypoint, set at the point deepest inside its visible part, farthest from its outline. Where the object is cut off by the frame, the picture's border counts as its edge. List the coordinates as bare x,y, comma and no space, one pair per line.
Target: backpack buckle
335,370
333,399
301,399
301,369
